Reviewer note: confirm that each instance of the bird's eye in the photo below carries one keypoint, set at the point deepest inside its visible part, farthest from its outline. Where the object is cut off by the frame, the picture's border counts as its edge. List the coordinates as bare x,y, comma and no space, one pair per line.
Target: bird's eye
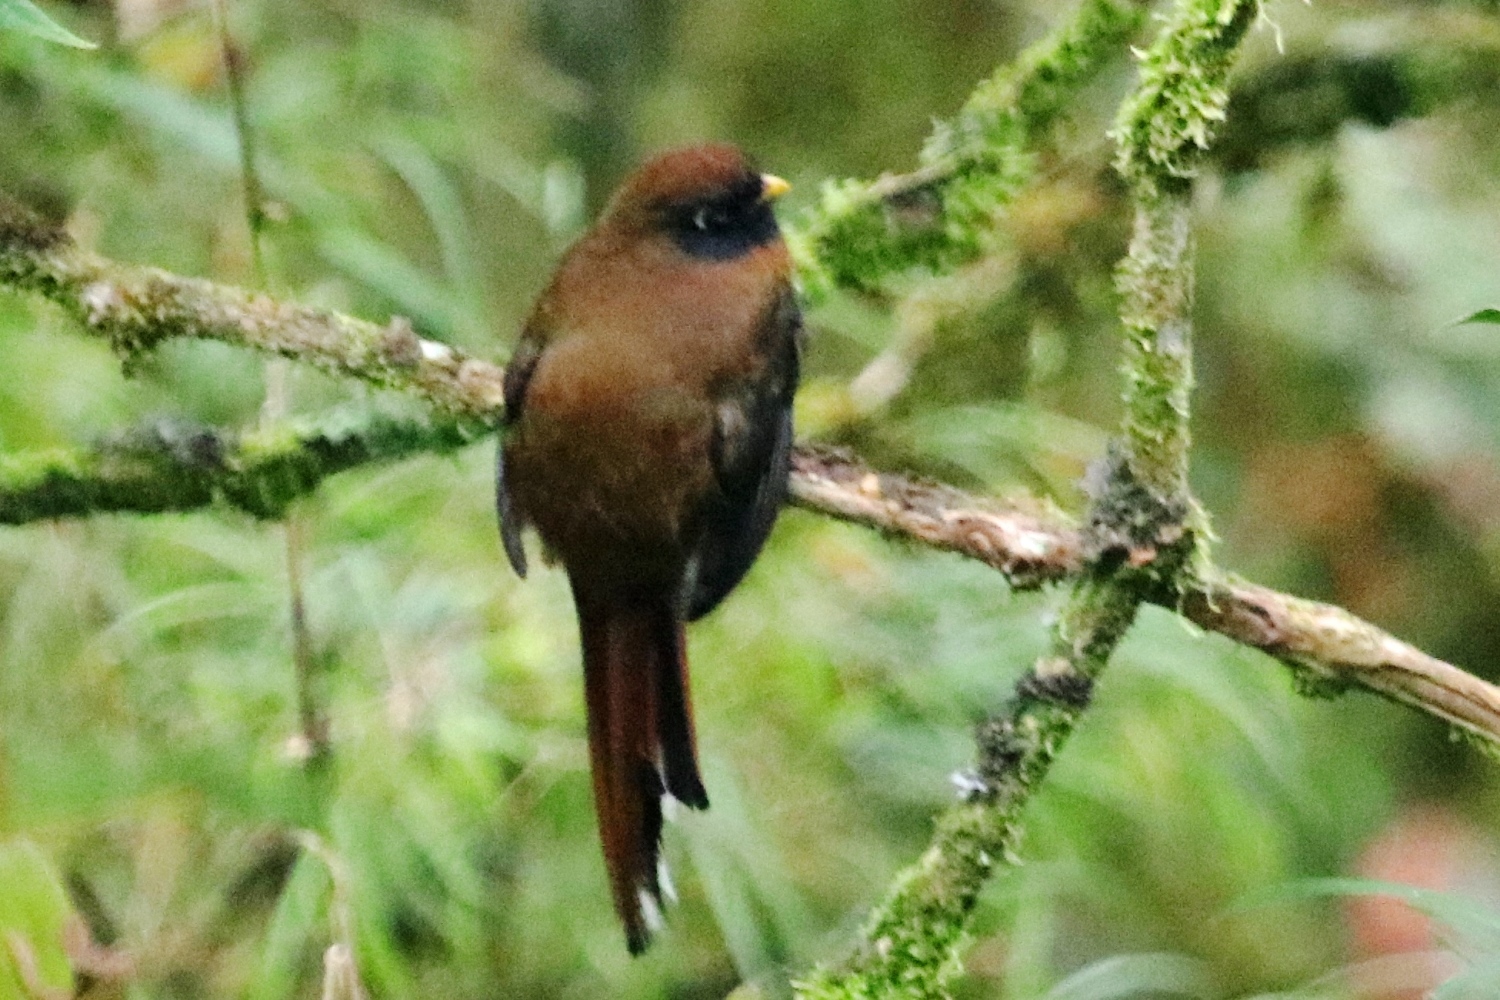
718,227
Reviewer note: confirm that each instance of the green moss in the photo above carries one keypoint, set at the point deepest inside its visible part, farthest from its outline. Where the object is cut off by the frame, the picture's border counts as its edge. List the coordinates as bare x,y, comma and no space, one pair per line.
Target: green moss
943,214
913,943
1173,115
174,466
1156,288
1313,680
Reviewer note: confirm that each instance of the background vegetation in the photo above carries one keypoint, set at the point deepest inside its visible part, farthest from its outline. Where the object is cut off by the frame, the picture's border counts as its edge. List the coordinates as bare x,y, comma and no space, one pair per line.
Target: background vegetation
430,159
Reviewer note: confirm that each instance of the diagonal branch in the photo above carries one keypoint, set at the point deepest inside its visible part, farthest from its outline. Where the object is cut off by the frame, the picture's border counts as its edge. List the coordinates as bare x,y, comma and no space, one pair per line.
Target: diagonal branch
1139,542
943,213
180,467
1328,648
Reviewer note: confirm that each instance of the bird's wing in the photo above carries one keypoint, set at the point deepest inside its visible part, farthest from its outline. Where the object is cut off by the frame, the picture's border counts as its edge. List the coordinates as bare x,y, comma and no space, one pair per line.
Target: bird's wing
517,375
752,447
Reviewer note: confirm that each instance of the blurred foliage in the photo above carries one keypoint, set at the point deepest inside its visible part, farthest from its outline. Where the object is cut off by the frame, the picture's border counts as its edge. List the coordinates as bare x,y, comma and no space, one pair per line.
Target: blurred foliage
429,158
25,16
33,913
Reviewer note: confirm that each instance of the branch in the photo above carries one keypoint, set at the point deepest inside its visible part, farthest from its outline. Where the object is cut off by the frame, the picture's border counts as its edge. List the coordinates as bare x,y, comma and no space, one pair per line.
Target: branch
1328,648
1139,541
136,308
1030,541
175,466
943,213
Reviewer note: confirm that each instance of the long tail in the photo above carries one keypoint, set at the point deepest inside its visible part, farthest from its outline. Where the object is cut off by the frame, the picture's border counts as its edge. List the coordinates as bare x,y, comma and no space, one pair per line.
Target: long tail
641,741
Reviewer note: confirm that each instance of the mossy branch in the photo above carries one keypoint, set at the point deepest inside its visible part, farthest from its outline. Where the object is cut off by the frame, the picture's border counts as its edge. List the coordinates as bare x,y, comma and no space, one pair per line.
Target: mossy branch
943,214
171,466
137,308
174,466
1173,116
1138,543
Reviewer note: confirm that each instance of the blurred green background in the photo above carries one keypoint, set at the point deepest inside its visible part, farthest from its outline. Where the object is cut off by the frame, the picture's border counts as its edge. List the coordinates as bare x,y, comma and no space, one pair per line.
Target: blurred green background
430,158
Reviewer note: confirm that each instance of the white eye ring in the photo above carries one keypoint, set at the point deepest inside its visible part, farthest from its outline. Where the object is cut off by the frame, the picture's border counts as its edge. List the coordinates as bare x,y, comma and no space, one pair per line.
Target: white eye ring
700,219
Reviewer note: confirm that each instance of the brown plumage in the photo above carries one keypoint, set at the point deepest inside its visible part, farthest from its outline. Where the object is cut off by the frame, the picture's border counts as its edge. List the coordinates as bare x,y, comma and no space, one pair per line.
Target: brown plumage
649,427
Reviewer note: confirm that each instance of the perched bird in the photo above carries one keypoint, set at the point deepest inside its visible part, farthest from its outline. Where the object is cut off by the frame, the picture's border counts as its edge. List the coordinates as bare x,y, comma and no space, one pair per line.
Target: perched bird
649,428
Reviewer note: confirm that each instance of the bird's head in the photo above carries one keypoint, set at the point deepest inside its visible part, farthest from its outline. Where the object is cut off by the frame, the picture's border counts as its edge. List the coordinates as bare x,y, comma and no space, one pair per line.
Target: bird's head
708,200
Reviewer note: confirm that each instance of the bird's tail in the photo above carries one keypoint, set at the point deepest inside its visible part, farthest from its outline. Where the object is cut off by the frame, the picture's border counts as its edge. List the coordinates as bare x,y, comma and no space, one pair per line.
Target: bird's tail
640,740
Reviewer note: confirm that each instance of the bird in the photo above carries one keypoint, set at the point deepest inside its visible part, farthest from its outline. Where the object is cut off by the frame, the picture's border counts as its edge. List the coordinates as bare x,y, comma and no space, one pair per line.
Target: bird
647,440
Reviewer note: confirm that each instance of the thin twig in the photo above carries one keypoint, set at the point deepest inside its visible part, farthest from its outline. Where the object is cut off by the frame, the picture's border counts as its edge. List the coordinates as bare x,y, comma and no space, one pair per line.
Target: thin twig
255,212
312,740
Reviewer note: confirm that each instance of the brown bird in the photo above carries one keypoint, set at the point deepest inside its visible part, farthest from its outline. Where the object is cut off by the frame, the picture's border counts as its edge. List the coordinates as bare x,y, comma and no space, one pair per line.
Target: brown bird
648,438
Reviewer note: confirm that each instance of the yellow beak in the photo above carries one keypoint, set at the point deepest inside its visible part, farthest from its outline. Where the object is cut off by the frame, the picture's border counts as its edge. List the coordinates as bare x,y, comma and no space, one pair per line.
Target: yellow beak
773,187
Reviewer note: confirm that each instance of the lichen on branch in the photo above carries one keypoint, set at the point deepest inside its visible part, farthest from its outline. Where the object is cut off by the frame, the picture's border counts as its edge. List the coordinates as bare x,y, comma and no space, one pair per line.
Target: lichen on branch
136,308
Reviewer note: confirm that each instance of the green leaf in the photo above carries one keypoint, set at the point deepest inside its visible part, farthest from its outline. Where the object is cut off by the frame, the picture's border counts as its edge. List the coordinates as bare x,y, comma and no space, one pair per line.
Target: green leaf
33,912
299,920
1491,316
1123,976
25,16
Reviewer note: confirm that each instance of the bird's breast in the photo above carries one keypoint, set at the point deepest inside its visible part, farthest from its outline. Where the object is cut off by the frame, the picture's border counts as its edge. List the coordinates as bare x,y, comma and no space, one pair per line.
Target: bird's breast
611,458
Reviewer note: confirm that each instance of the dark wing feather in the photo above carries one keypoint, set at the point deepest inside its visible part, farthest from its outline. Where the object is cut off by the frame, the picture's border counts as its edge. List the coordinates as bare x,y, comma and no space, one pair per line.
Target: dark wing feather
752,450
517,375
